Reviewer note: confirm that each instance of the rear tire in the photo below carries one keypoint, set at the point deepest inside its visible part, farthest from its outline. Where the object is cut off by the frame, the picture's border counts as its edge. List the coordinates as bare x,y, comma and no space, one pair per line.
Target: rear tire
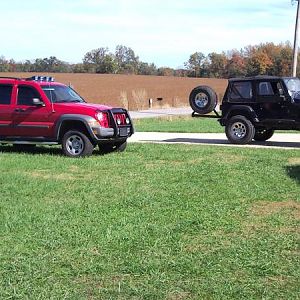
203,99
239,130
76,144
262,135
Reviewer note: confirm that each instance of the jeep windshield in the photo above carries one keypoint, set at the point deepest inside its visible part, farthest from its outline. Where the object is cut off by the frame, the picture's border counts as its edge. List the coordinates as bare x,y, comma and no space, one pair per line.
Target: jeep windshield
61,94
293,86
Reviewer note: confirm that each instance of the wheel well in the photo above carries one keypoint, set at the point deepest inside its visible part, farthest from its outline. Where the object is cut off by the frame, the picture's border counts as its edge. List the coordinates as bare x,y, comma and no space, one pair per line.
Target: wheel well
72,125
243,113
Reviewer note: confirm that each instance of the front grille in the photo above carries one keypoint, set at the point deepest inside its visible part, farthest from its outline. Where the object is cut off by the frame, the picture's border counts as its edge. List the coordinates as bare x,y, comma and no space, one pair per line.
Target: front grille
120,119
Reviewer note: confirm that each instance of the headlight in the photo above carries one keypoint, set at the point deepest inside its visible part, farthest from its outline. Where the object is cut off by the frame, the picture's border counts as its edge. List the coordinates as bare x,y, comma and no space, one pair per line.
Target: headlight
102,117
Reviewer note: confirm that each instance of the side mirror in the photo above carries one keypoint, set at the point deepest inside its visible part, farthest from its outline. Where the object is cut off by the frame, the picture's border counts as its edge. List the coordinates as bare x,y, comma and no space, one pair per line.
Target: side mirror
37,102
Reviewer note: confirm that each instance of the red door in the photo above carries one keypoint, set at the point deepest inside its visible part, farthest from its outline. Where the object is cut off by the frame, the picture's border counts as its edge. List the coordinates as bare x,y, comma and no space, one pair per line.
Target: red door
30,120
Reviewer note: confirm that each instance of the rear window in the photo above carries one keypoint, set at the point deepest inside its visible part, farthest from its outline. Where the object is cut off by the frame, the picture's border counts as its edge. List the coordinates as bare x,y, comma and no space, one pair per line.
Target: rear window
241,90
5,94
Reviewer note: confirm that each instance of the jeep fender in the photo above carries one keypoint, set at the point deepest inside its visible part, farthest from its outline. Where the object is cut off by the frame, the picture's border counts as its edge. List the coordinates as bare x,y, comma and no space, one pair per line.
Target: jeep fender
243,110
83,119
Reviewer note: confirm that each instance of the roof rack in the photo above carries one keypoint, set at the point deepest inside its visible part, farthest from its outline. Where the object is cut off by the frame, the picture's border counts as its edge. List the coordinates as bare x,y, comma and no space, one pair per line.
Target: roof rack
40,78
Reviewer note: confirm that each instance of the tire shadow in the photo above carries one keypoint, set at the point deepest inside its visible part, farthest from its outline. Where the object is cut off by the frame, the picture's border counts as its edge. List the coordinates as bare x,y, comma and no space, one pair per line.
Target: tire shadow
294,172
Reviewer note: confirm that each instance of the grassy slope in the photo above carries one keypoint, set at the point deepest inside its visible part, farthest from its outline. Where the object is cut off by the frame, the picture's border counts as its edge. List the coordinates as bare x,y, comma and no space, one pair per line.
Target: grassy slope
155,222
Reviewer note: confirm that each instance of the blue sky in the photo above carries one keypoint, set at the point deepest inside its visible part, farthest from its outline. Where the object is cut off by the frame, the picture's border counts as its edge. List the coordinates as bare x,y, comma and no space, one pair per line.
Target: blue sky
165,32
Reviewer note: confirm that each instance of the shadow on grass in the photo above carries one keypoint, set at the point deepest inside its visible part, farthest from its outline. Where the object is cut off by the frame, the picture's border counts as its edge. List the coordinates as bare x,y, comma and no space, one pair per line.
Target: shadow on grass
32,150
226,142
294,172
47,150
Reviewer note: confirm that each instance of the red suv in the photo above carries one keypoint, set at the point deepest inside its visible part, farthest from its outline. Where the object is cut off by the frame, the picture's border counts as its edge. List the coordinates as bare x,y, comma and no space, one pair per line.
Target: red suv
37,110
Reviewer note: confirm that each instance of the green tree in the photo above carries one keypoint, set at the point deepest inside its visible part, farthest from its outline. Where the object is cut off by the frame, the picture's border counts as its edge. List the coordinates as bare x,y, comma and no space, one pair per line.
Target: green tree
4,65
195,64
147,69
126,60
99,61
217,65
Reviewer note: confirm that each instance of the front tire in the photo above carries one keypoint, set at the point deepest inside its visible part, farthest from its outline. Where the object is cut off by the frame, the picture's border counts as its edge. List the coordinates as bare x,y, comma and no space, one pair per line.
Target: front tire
262,135
76,144
203,99
239,130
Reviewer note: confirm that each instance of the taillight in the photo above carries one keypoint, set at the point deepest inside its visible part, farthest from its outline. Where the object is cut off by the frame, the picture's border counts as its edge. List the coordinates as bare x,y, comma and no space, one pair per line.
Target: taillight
102,117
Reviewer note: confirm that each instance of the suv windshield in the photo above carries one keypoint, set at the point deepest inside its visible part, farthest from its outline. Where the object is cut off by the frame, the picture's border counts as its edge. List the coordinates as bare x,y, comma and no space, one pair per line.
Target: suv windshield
60,94
293,86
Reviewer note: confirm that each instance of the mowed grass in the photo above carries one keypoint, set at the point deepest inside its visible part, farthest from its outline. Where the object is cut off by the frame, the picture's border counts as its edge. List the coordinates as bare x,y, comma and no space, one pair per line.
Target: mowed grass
155,222
178,124
186,124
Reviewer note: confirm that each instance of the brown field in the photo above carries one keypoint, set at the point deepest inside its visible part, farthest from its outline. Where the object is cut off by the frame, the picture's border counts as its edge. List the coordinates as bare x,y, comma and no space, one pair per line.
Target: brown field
133,91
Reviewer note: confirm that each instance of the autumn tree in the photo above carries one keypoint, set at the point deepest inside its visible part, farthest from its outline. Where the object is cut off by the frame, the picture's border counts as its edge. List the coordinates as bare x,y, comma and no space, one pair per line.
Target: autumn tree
235,66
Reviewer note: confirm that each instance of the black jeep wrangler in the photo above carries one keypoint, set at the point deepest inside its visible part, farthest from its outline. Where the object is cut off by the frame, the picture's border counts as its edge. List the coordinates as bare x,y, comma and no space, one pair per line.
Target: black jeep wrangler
252,107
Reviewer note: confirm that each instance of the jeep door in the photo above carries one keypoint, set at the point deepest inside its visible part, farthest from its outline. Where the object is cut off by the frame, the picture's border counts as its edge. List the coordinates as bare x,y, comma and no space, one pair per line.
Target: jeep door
271,100
6,91
29,119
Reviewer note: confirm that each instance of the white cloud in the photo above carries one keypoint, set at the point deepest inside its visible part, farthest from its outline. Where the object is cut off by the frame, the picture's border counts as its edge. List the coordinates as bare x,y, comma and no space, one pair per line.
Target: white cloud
165,32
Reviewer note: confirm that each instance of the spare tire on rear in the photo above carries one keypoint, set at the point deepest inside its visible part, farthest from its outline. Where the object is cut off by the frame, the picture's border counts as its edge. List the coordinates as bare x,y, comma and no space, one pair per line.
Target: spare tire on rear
203,99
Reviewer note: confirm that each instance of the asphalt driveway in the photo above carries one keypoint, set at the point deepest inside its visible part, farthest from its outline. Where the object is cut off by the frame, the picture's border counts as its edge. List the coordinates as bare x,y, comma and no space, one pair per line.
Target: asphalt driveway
279,140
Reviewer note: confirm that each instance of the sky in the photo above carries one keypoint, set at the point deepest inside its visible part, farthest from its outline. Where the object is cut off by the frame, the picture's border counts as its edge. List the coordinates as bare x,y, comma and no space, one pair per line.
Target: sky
165,32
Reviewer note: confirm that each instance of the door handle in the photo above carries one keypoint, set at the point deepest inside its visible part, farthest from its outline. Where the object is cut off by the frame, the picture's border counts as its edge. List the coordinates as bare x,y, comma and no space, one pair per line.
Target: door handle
19,110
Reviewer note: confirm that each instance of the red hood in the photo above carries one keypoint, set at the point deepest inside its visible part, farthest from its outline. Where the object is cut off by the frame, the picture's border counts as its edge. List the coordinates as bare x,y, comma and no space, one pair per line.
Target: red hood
84,106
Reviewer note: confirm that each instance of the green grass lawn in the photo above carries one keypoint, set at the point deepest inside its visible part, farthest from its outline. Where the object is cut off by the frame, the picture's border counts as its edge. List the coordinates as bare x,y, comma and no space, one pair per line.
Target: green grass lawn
183,124
178,124
155,222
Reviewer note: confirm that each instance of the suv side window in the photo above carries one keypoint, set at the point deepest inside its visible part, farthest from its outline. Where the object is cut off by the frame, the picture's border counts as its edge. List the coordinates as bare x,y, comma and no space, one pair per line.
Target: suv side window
269,88
26,94
241,90
5,94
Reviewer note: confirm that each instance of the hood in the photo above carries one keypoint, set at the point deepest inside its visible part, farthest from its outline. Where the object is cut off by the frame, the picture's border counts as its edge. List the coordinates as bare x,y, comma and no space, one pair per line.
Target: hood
84,106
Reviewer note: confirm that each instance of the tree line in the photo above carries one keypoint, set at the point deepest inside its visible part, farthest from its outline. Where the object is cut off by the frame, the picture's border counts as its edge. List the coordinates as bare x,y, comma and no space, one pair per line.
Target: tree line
265,58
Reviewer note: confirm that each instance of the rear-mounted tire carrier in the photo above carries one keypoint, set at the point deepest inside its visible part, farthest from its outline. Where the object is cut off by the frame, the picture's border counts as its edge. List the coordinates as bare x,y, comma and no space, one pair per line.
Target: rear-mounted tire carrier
215,116
203,99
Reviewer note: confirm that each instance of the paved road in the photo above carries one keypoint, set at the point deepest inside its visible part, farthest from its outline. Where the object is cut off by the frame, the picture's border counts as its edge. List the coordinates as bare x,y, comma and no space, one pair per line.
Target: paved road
279,140
160,112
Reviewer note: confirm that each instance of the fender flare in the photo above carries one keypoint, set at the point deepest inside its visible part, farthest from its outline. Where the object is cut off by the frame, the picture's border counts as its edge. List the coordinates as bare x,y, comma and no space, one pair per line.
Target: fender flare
244,110
86,120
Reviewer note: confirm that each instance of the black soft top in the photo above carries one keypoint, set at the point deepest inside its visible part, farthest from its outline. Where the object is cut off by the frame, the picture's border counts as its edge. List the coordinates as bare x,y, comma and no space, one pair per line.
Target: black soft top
259,77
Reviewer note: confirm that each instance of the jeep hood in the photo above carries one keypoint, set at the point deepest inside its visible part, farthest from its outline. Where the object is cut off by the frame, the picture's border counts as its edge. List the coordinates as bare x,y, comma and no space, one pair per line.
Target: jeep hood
84,106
